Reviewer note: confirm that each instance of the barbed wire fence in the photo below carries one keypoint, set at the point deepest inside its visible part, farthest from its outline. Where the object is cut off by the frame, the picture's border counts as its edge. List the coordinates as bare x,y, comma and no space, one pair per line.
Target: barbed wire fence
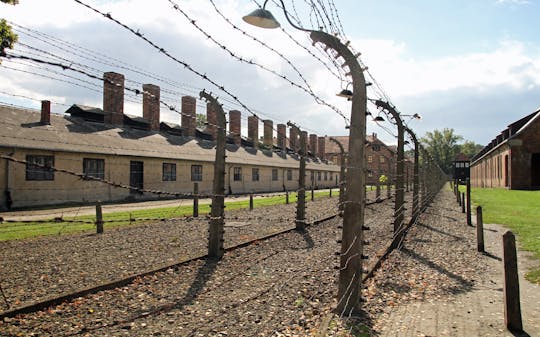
430,177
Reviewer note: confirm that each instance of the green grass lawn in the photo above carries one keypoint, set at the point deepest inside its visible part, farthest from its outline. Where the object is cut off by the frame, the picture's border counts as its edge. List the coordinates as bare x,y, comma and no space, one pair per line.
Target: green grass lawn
517,210
24,230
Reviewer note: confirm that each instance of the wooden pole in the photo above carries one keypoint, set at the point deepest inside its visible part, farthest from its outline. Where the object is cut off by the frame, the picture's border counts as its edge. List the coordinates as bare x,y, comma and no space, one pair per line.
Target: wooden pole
512,307
195,200
99,218
469,216
251,201
462,202
479,229
286,197
312,193
301,197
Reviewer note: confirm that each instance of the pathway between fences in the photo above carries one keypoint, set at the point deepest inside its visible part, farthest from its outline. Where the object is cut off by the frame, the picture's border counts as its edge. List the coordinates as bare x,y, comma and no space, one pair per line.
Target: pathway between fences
434,284
439,285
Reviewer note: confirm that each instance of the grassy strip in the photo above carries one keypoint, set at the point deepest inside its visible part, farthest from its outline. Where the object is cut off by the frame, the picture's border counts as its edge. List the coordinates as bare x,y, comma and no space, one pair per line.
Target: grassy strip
24,230
517,210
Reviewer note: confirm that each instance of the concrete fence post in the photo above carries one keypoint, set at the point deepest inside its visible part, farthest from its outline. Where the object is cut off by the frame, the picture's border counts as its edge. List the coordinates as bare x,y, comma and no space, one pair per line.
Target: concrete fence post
195,200
217,214
512,307
479,229
99,218
469,216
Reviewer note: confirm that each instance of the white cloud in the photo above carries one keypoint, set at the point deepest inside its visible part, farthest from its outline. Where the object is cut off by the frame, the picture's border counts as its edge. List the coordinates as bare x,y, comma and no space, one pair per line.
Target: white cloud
510,63
514,2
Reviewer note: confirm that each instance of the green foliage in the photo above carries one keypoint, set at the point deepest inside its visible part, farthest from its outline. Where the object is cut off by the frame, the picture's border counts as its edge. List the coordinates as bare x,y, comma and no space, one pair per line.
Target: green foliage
517,210
469,148
383,179
201,120
20,230
443,147
7,36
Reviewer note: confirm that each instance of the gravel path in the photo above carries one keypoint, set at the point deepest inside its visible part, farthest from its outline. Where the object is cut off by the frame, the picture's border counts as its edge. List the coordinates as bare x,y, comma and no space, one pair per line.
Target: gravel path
435,285
283,285
38,269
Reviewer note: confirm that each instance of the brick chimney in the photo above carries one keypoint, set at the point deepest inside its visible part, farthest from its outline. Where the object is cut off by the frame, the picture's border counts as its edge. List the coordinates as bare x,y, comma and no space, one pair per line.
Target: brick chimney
235,126
189,115
211,119
281,136
151,105
268,132
293,139
321,147
45,113
253,129
113,98
303,140
313,144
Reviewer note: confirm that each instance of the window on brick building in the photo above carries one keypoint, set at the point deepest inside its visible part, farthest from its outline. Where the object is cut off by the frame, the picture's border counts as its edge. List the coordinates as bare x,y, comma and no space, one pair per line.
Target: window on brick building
237,174
274,174
325,176
319,176
255,174
196,172
289,175
39,167
369,158
381,160
94,168
169,172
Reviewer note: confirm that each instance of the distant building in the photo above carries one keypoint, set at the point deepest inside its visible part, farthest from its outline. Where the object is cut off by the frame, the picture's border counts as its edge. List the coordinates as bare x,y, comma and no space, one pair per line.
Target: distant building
380,158
512,159
140,152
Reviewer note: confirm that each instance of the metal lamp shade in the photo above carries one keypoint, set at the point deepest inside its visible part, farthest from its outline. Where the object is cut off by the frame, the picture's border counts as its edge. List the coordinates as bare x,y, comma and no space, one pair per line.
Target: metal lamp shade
345,93
261,18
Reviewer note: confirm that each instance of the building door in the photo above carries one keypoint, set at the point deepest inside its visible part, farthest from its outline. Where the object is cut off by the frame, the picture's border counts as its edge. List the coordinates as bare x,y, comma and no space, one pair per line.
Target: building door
535,171
136,175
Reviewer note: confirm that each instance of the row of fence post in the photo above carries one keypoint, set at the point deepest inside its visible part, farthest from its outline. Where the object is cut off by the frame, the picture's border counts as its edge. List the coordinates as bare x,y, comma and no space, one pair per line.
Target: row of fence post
512,305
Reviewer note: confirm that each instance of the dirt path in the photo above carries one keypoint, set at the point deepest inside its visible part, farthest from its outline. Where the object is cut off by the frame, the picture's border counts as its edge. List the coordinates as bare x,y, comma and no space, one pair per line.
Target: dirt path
475,311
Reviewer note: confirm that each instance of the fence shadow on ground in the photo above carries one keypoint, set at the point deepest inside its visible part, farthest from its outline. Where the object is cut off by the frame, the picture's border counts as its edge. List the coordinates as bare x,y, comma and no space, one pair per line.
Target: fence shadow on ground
466,285
455,237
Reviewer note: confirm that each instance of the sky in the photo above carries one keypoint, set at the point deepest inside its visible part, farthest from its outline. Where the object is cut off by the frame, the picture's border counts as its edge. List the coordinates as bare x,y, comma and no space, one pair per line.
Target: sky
469,65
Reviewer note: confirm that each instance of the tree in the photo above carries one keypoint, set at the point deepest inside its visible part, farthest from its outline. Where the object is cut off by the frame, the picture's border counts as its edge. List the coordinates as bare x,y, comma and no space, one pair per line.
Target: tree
443,147
469,148
201,121
7,37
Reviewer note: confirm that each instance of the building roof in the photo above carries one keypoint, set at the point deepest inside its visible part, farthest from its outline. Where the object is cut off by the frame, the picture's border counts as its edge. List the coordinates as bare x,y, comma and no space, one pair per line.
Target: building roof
461,157
332,147
21,128
512,130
